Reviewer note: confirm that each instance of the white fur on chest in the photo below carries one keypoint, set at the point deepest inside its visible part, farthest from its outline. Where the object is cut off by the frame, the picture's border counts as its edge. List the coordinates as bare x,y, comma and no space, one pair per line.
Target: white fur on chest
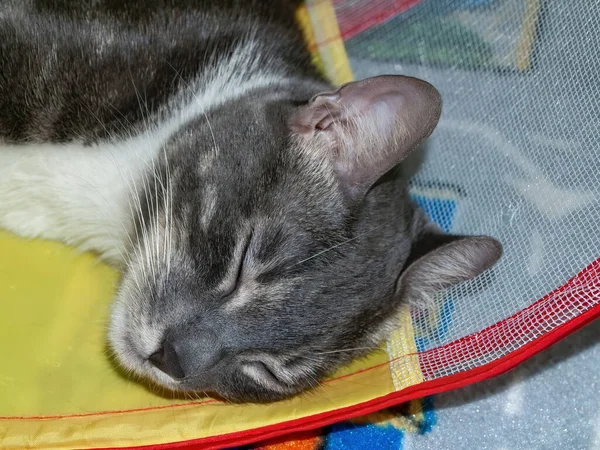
83,195
69,193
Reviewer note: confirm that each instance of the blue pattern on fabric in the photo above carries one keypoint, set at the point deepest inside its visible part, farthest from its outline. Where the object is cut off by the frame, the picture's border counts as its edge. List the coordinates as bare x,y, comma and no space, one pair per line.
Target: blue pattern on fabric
439,211
349,436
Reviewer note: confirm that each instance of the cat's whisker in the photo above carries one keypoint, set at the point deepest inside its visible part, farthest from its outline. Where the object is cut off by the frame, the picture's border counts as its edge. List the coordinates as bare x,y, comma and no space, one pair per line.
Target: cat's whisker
152,257
166,205
155,259
149,257
323,391
145,120
132,195
152,209
168,216
333,247
147,254
216,148
165,250
345,350
315,360
155,214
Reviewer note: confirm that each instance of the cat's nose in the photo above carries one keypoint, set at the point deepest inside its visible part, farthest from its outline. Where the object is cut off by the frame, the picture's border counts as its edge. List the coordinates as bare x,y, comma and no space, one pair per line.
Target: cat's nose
167,360
186,353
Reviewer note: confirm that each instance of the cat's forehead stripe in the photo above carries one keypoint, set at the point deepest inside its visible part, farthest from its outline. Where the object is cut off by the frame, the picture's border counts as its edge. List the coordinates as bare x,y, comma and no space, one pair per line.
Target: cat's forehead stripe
243,295
209,205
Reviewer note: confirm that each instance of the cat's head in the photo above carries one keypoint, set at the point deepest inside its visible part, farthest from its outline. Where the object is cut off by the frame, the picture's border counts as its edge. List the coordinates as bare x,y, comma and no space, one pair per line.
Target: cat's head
276,242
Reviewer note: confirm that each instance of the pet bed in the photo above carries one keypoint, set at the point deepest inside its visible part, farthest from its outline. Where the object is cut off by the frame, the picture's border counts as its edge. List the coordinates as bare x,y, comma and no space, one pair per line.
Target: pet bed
536,192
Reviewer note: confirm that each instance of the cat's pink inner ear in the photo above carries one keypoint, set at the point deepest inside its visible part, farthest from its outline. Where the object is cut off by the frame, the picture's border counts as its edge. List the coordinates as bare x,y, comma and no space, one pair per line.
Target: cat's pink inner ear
374,124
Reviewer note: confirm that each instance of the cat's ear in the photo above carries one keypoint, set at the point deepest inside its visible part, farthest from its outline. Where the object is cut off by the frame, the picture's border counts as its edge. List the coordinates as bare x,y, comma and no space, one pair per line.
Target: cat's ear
367,127
439,261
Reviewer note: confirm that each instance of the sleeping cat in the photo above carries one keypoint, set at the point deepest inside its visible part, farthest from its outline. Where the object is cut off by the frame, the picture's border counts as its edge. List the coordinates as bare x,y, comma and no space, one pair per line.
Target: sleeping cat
259,216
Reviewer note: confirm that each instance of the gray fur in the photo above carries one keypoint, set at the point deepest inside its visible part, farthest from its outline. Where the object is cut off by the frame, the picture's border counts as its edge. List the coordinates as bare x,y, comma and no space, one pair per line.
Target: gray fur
271,269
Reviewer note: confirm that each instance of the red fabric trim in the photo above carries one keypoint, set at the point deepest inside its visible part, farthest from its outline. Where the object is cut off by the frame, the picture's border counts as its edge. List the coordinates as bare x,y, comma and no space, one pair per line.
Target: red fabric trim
442,384
361,18
373,17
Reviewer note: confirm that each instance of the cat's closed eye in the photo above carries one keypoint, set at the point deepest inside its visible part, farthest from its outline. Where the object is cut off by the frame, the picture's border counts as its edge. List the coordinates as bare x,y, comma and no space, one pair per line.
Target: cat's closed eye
233,283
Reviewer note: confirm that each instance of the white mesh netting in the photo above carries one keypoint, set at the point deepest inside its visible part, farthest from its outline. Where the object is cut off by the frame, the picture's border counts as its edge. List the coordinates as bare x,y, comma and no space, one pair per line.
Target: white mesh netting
515,156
